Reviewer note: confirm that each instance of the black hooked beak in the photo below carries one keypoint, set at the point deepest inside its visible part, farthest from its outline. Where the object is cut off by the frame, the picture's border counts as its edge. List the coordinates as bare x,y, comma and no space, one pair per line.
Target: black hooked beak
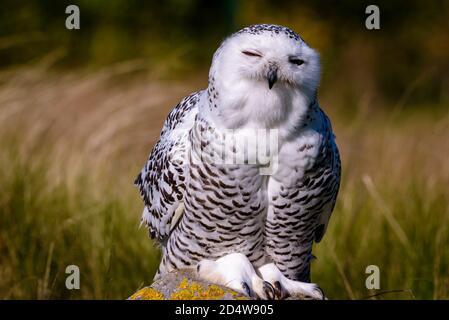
272,76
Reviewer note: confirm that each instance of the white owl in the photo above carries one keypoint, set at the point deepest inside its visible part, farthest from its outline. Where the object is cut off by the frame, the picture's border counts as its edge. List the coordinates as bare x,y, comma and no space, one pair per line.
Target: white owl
249,231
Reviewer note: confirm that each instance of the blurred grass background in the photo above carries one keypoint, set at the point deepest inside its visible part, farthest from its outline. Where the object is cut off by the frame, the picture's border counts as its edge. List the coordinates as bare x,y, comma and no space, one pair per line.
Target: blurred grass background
80,111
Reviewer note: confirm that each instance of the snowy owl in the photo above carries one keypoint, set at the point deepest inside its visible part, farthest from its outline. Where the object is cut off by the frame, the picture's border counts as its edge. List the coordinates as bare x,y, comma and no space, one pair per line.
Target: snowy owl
235,225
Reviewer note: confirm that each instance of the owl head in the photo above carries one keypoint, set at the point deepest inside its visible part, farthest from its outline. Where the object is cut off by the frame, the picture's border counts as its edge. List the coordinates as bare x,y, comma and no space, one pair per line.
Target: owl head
270,62
269,55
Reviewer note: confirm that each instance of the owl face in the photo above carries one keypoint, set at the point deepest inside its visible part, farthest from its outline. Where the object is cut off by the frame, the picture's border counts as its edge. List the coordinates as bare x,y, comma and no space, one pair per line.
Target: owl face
270,56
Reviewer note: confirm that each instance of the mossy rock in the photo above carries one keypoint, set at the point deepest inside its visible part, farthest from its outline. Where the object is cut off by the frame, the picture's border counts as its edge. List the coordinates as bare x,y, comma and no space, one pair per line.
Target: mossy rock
185,285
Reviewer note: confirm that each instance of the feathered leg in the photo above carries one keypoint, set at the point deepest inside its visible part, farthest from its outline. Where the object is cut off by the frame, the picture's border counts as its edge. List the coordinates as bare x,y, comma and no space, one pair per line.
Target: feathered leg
235,271
285,287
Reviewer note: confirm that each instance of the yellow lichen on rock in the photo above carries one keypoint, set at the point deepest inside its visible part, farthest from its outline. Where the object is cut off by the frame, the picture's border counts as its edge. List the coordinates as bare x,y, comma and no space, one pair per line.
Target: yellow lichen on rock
147,294
185,285
213,292
183,295
237,296
195,291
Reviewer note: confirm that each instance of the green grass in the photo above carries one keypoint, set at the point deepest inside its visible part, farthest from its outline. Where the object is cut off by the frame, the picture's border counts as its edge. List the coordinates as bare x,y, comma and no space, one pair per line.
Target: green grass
409,249
46,227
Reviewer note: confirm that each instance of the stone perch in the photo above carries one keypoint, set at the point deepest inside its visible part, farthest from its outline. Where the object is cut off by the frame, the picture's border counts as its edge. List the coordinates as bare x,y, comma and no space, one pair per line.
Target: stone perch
185,285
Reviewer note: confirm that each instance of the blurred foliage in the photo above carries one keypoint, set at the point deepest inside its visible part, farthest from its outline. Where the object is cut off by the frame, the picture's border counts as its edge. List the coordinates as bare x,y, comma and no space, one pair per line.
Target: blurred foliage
46,227
406,60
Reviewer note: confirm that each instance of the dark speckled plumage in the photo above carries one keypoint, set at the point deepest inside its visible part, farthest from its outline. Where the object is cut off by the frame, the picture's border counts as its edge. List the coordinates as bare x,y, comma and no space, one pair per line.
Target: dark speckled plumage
201,210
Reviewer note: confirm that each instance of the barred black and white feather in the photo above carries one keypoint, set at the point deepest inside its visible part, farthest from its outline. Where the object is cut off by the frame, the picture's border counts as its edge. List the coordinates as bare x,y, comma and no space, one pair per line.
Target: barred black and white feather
162,180
206,210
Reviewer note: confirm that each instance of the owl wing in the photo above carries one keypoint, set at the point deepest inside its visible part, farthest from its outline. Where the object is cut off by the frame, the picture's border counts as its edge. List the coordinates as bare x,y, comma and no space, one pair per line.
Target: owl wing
332,175
162,180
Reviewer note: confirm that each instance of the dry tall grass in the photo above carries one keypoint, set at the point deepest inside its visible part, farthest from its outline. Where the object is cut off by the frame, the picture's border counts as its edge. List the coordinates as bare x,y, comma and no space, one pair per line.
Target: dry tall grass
72,144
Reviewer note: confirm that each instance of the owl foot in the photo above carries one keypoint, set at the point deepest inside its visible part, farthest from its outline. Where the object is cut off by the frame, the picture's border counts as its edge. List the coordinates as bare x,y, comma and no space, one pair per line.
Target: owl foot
285,287
235,271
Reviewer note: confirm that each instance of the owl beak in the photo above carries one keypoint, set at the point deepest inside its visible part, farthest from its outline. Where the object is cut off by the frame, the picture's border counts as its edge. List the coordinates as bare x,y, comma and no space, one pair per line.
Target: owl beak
272,76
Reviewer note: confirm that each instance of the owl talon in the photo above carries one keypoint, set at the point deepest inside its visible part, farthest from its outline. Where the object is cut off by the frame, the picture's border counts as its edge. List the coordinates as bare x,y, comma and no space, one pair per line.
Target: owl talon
280,292
321,292
235,271
269,291
285,287
246,289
